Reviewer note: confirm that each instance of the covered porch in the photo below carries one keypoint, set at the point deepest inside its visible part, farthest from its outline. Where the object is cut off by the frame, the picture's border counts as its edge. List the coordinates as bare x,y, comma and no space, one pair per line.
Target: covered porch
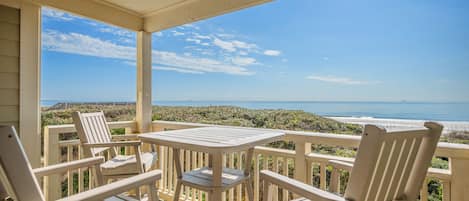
146,17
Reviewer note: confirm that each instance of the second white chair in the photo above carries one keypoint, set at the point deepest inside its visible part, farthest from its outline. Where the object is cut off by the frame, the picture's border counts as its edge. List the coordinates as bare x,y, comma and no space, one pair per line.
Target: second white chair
95,137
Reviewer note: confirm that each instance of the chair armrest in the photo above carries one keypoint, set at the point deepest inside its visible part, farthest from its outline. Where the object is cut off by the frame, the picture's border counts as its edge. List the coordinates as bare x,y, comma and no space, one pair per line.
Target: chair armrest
125,137
114,144
341,165
297,187
117,187
63,167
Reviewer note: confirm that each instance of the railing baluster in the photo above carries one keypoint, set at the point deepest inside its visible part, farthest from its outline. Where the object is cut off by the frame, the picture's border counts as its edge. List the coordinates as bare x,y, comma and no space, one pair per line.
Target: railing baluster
335,179
275,168
239,188
231,165
256,176
170,170
80,171
187,163
194,166
69,172
285,172
322,173
201,164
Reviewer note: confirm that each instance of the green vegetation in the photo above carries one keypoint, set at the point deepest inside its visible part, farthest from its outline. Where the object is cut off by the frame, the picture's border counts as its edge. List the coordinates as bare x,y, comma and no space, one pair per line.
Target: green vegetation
221,115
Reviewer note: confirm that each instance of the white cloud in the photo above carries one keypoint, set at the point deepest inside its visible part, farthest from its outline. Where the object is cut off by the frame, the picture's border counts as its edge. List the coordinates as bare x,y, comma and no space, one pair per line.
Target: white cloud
272,52
159,33
198,64
338,80
177,33
243,61
242,53
232,46
58,15
177,70
225,36
125,36
191,26
200,36
75,43
228,46
244,45
117,31
197,41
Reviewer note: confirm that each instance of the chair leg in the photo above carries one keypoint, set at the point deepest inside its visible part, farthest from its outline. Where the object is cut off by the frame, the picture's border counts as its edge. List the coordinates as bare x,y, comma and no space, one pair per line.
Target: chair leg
249,189
177,192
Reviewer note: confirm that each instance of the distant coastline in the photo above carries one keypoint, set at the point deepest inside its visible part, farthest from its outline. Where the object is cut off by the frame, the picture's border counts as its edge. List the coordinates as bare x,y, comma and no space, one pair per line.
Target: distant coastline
437,111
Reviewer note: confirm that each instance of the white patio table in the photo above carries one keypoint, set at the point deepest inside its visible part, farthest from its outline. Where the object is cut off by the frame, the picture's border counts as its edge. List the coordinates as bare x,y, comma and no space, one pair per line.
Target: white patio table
216,141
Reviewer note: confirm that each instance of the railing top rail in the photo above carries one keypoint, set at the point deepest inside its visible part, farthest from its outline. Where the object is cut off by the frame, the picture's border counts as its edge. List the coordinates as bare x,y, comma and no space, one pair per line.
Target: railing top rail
67,128
444,149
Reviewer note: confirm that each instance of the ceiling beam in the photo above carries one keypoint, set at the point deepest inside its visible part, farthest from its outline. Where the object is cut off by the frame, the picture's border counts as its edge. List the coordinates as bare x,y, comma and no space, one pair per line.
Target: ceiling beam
97,11
193,11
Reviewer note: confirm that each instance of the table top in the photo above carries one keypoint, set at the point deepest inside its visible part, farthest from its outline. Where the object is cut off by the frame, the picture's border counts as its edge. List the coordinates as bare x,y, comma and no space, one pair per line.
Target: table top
212,139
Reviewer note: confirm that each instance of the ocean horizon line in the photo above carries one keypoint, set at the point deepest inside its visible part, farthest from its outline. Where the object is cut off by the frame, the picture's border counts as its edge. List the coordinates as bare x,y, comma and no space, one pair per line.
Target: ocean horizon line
265,101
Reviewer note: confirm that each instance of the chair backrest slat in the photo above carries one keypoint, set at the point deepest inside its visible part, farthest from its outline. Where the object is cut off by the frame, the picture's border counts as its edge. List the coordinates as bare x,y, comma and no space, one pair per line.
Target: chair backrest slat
398,169
92,128
16,168
386,166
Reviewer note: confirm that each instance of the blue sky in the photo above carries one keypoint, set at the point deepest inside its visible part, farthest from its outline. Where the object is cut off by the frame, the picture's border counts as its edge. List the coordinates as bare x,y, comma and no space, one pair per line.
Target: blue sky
295,50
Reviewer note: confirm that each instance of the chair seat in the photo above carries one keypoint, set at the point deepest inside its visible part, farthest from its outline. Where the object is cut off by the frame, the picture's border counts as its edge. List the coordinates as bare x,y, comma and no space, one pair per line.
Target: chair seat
127,164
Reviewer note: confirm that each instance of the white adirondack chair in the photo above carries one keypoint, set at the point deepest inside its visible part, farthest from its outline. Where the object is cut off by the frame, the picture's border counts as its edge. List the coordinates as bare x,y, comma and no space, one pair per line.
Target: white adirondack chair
389,166
18,179
95,137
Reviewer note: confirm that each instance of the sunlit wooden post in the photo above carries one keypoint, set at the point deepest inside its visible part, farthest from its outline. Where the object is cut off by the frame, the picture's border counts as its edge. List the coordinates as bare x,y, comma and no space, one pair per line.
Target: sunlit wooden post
143,104
52,189
459,178
30,70
301,148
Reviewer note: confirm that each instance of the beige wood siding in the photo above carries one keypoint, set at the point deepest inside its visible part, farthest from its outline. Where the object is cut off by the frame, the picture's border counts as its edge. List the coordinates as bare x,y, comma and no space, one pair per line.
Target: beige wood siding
9,65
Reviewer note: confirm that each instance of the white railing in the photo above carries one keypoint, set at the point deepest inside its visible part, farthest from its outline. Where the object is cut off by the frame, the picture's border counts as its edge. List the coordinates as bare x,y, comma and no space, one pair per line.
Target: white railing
301,163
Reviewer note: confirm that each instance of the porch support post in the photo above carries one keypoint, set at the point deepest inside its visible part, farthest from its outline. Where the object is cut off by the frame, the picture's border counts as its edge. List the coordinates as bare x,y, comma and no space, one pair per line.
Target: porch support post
30,69
143,104
459,178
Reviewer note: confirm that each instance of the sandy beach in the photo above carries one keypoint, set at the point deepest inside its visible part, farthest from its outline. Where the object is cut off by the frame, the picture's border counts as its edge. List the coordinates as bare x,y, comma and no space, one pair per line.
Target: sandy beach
449,126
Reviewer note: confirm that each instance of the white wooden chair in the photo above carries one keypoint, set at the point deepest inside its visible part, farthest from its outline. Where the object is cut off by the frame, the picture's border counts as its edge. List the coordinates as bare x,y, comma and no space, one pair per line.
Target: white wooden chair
18,179
389,166
95,137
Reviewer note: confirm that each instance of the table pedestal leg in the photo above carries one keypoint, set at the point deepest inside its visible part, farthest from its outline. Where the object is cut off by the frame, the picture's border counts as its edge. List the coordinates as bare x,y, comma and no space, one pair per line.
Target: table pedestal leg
177,163
217,169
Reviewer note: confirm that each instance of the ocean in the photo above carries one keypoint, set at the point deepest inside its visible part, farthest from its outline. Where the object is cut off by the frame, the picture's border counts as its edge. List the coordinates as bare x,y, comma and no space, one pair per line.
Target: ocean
386,110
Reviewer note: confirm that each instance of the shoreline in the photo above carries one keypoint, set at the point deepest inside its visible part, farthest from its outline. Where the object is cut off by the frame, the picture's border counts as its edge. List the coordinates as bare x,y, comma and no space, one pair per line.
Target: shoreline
391,123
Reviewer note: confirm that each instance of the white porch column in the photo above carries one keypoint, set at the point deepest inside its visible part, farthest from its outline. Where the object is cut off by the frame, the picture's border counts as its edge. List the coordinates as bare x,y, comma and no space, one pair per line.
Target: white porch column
144,106
30,73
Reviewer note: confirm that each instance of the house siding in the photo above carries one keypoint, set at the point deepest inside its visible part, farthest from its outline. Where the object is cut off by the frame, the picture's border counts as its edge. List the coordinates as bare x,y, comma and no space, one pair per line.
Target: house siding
9,65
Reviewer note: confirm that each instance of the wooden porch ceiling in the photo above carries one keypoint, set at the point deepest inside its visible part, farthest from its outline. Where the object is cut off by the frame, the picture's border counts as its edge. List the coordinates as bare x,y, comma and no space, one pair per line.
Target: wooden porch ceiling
149,15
